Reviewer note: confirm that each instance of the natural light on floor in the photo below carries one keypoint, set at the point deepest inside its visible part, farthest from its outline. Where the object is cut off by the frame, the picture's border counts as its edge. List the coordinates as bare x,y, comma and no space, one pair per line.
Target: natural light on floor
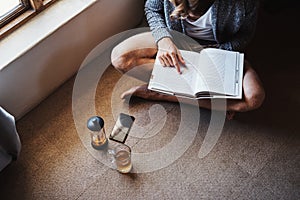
7,5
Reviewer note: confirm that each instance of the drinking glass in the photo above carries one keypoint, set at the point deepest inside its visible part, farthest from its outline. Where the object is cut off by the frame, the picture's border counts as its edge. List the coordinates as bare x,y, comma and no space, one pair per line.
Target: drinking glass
122,156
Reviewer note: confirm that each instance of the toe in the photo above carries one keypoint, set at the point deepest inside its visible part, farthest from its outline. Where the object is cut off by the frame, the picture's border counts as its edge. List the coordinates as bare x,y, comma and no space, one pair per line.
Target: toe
230,115
127,94
139,91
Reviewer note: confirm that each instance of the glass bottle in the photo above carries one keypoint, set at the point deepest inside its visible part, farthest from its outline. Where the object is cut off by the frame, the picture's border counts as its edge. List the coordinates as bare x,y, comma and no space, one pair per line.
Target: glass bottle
96,128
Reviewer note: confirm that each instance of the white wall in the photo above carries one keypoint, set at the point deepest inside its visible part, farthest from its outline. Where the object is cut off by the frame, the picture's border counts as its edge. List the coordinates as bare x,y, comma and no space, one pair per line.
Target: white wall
32,77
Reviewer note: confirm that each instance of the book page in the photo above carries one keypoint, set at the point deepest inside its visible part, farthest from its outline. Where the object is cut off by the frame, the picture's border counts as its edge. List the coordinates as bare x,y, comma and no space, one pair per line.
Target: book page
191,61
214,72
217,69
168,80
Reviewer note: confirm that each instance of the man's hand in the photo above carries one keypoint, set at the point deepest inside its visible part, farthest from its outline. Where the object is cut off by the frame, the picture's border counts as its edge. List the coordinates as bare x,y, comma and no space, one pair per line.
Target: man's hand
168,54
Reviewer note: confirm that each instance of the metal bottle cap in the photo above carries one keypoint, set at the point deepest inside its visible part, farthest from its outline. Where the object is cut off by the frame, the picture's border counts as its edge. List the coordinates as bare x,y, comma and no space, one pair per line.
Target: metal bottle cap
95,123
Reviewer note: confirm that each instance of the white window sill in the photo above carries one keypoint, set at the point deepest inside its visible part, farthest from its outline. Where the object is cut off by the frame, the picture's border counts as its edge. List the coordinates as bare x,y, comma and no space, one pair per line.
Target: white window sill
38,28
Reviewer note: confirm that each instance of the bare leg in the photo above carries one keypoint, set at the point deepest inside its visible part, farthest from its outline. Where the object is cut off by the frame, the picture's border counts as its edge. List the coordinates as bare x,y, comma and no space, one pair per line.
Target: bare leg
139,52
135,52
253,95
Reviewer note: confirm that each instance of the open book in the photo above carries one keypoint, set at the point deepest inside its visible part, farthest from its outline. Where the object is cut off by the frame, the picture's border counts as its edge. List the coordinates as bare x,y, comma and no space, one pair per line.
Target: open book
212,73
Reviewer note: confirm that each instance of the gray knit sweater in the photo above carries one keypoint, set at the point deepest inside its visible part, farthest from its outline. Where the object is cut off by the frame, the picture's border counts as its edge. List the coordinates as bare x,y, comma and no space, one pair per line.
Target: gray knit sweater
233,21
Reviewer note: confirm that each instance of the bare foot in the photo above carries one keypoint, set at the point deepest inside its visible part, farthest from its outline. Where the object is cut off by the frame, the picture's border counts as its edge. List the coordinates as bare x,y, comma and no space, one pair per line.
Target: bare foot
230,115
143,92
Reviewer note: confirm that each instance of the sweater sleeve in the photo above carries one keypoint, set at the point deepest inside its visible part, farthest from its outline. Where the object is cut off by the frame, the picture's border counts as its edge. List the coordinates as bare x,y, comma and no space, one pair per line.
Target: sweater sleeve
240,40
155,14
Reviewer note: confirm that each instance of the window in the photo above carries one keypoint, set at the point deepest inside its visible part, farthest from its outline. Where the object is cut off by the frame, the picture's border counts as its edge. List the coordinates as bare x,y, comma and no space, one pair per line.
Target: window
13,13
10,9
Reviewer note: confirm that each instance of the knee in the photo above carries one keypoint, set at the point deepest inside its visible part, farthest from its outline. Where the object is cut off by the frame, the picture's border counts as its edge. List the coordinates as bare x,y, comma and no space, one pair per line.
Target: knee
254,92
122,55
119,61
256,99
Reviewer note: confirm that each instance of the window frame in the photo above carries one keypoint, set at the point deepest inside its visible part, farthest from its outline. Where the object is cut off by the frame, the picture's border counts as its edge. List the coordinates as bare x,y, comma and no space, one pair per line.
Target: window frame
21,14
15,12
